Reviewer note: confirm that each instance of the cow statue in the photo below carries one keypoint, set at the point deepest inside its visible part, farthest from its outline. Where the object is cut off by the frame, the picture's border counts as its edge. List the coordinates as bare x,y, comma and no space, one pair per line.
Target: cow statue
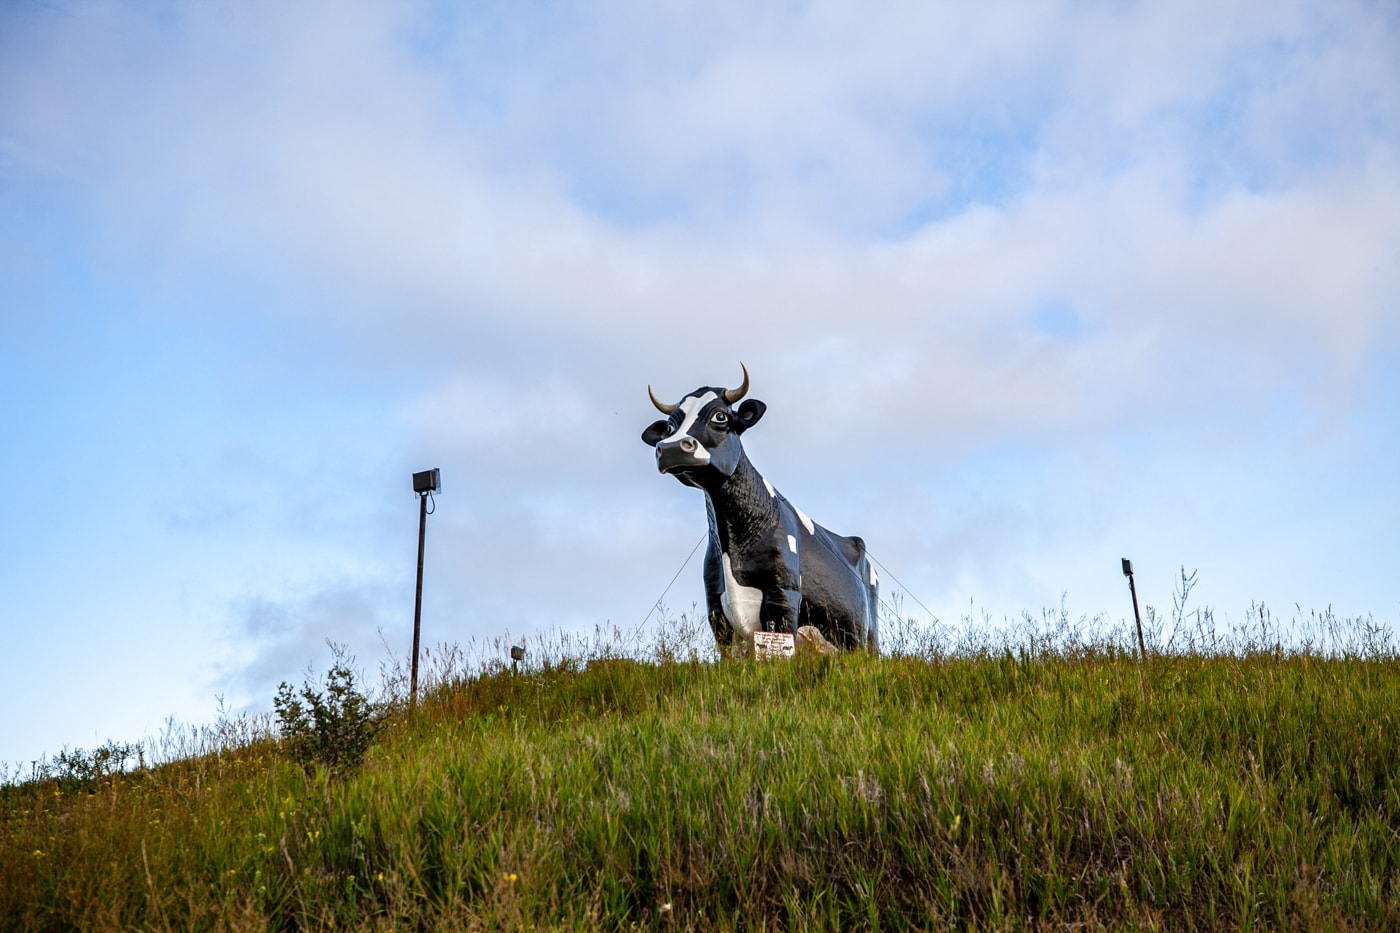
768,566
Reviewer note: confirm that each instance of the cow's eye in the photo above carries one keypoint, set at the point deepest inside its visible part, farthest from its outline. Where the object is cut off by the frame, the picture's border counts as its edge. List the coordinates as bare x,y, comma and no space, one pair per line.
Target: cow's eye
720,417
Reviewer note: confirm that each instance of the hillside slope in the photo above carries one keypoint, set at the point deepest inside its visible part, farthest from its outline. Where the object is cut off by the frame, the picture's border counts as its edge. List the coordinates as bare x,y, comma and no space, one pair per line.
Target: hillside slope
844,793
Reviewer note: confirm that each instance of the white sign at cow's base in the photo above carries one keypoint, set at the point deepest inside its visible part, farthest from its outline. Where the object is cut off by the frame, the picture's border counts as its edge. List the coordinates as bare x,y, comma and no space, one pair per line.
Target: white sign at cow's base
773,645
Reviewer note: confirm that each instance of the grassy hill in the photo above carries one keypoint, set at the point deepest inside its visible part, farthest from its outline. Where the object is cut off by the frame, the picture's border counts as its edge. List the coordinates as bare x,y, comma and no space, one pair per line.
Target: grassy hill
995,790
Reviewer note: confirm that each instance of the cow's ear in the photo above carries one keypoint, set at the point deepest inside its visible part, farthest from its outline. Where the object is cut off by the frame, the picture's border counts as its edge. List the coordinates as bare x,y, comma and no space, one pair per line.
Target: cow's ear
655,432
748,414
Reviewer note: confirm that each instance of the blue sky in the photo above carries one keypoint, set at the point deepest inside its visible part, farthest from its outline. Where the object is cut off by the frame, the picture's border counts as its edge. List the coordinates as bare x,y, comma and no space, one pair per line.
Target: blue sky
1027,288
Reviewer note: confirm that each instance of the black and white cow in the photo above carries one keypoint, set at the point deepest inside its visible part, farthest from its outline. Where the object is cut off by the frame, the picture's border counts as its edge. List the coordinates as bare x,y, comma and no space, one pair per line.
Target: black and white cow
768,567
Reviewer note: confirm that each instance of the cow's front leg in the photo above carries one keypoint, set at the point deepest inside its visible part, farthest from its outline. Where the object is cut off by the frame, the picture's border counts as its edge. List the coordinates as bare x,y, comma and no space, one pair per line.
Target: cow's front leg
782,599
723,631
726,635
780,606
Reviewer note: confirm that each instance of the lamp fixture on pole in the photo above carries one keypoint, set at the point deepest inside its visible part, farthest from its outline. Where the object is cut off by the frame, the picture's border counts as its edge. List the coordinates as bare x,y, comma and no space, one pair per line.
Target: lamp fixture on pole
425,484
1137,617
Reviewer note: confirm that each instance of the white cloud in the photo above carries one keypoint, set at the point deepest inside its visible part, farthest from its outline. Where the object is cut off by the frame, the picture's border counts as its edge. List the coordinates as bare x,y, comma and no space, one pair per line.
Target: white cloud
272,641
980,261
337,168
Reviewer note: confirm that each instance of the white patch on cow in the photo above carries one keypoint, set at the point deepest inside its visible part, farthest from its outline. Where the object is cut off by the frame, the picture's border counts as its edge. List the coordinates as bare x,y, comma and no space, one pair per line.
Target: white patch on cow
690,406
772,493
792,544
874,580
743,604
806,522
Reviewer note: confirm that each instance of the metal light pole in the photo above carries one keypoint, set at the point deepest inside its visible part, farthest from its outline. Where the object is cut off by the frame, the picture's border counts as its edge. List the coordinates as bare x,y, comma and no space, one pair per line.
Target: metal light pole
425,484
1137,617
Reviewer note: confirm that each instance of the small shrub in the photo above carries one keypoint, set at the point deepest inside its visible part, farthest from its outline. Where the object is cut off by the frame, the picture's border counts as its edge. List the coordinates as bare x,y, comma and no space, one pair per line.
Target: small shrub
334,728
83,770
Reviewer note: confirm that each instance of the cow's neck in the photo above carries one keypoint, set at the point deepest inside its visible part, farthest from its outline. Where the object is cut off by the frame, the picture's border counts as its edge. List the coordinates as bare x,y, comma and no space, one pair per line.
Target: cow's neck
741,509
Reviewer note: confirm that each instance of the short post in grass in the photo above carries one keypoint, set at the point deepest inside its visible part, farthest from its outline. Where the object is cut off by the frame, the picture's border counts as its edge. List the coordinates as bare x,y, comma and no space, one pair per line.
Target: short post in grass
425,484
1137,616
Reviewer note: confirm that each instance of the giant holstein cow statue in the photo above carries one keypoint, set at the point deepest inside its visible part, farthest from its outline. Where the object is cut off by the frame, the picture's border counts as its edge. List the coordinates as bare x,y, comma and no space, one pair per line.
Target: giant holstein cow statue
768,567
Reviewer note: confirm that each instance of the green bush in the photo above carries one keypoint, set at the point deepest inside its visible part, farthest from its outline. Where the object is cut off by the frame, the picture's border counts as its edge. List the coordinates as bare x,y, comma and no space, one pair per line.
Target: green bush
83,770
333,728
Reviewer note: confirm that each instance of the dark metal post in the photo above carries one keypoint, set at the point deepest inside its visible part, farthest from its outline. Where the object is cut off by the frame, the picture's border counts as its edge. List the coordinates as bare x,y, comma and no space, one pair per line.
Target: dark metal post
1137,617
425,484
418,597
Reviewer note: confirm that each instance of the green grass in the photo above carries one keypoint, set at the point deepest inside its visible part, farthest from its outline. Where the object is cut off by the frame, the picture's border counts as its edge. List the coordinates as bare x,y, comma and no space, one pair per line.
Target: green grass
997,790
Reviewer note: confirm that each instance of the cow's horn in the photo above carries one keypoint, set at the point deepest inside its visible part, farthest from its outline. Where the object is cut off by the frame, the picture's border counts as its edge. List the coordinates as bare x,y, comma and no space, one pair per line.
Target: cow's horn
660,406
733,395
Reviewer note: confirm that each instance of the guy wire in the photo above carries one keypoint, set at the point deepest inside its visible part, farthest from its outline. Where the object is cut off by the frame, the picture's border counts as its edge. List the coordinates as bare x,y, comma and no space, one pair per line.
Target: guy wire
656,605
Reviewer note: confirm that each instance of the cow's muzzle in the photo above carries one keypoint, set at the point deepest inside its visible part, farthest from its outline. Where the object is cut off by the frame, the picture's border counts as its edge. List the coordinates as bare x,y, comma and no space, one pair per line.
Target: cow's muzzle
683,453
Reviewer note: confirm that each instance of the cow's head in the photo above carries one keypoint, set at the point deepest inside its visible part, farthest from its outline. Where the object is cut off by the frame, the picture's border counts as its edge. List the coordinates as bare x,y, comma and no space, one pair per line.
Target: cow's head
699,438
